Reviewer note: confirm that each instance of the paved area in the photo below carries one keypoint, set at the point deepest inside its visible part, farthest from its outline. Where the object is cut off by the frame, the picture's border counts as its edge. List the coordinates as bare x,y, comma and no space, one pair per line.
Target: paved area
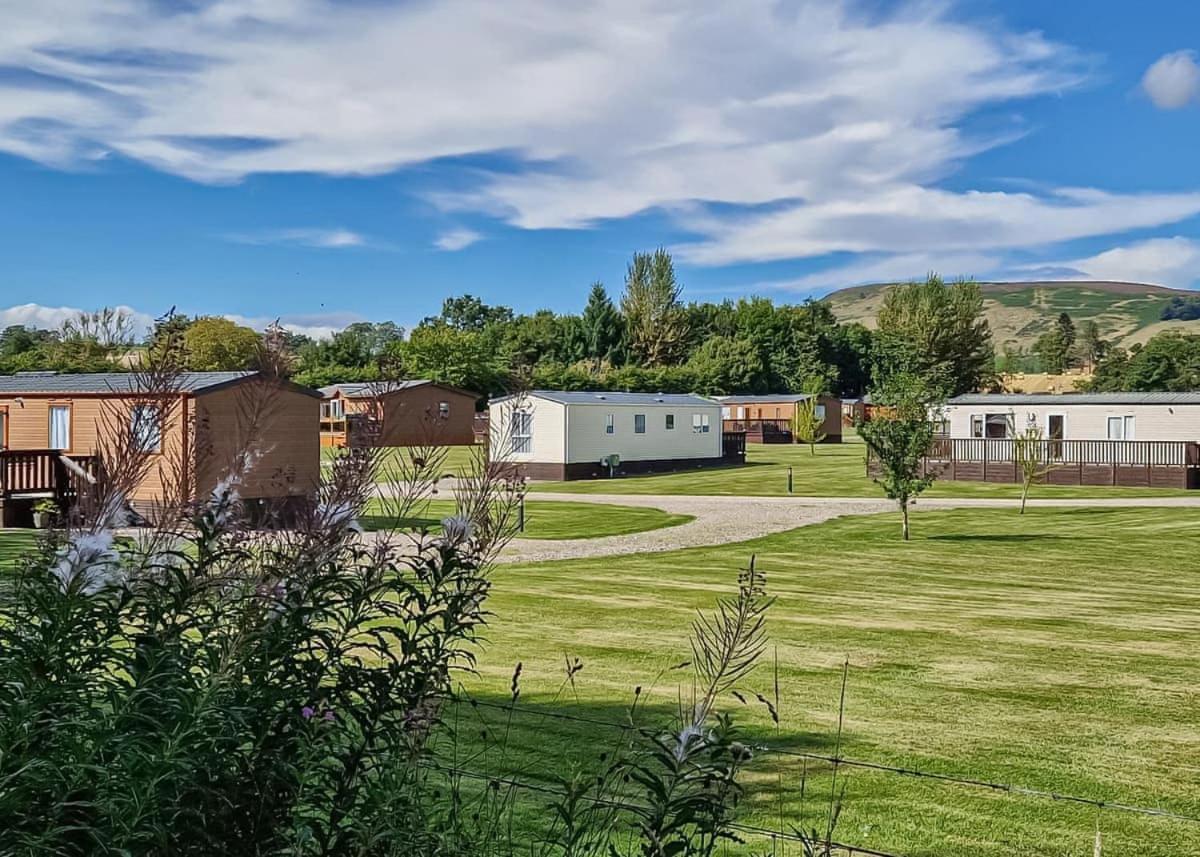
723,520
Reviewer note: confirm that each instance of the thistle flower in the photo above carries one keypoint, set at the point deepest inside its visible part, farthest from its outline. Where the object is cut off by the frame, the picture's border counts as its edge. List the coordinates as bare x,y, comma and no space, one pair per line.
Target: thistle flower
340,516
457,530
88,563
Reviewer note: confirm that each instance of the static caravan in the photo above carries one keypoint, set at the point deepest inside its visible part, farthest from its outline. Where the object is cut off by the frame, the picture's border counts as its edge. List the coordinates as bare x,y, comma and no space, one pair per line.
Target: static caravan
586,435
46,417
407,413
768,419
1147,439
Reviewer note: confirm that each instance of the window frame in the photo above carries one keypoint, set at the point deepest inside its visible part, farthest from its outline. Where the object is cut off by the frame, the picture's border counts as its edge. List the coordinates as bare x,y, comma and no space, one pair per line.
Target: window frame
700,424
610,423
669,422
636,418
1125,422
443,410
156,424
521,441
70,409
978,426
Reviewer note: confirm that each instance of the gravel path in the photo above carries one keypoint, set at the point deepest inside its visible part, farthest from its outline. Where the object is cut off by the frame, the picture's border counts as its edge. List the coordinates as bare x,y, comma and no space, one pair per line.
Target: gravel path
723,520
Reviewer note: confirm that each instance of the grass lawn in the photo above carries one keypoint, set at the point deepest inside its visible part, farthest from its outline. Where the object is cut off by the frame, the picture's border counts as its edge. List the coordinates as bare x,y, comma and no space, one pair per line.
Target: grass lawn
457,458
15,544
837,470
547,520
1058,651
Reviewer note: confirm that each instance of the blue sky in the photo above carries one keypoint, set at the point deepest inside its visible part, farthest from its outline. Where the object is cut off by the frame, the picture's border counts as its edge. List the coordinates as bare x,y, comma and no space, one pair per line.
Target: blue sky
324,162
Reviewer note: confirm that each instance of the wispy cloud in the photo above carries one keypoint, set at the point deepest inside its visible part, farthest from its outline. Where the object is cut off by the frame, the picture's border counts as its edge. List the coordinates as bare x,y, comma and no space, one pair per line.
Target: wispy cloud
456,239
731,109
325,239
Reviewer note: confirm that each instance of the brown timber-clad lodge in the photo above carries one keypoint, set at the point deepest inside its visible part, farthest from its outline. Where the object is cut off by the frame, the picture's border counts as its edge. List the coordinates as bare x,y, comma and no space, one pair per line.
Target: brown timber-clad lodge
402,413
193,434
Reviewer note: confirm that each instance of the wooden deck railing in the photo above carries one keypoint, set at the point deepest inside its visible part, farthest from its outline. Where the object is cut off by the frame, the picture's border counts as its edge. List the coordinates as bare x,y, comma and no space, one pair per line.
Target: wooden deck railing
757,426
1161,463
44,472
1156,453
733,446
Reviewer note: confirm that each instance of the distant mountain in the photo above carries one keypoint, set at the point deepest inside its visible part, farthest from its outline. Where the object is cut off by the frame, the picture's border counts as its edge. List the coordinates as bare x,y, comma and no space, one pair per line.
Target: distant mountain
1020,312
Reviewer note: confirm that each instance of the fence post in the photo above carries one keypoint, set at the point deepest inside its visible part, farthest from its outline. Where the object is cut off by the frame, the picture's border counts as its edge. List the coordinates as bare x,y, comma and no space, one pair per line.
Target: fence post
521,515
985,456
789,479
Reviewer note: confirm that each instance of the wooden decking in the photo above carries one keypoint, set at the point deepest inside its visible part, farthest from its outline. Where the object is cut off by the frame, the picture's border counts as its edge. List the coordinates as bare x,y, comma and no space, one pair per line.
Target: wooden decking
30,475
1132,463
760,431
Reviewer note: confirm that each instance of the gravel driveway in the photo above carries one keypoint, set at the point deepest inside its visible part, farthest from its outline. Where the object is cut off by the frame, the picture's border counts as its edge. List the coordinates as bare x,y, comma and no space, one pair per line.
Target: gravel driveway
723,520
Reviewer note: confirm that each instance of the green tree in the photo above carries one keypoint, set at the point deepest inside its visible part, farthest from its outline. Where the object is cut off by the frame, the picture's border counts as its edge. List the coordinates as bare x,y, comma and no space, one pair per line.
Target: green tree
806,423
1055,347
215,344
1168,362
726,364
937,333
449,355
899,440
1031,455
654,319
469,313
603,329
1090,347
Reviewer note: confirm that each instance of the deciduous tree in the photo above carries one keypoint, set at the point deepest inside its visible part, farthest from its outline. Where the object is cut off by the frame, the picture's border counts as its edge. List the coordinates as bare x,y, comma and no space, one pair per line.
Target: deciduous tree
654,319
899,438
215,344
937,333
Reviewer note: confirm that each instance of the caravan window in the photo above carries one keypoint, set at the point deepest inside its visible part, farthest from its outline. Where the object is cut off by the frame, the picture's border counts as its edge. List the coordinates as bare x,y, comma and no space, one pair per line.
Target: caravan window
145,425
639,423
1120,428
609,428
699,423
670,422
522,431
60,427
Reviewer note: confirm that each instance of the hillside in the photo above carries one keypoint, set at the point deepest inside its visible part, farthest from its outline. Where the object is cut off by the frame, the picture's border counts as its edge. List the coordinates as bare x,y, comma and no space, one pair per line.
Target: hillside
1020,312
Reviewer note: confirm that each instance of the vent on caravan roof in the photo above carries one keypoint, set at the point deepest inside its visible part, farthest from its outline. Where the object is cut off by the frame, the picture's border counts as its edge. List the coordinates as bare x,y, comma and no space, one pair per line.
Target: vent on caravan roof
36,373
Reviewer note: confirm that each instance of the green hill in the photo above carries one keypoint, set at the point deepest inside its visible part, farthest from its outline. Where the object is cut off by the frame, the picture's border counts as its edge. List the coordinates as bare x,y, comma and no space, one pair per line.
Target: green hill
1020,312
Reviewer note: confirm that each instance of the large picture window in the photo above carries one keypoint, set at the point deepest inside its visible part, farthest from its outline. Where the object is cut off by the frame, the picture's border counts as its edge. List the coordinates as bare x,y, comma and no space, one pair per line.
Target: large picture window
699,423
60,427
145,425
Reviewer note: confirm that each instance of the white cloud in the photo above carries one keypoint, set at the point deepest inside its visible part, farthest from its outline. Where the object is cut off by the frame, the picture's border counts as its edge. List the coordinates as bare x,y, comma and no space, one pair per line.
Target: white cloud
326,239
609,108
890,269
1161,261
52,317
1173,81
456,239
775,130
900,218
316,325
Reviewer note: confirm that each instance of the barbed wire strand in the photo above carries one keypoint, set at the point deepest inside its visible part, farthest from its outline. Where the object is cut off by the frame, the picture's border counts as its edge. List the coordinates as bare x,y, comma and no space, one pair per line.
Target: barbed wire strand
951,779
616,804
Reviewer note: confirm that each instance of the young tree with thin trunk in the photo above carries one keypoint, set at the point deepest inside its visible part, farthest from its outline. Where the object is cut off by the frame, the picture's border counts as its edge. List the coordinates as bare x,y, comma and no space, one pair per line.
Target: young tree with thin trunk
806,423
1032,458
899,437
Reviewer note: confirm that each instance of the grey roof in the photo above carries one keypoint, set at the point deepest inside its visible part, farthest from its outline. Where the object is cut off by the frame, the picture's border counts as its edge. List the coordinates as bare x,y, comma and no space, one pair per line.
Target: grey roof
107,382
607,397
1076,399
773,397
370,389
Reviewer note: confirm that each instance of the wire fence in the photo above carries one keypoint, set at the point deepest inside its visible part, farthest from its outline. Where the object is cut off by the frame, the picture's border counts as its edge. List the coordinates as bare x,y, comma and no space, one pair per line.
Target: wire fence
835,760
